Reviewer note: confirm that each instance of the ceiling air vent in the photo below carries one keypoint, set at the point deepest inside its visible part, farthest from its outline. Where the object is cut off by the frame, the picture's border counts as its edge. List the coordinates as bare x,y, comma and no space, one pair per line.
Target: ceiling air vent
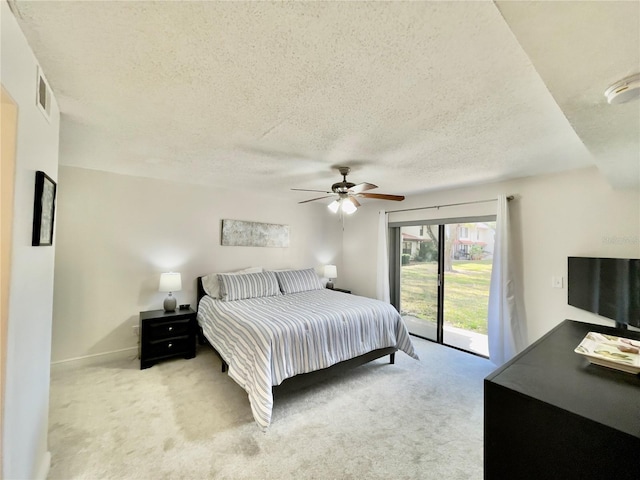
43,95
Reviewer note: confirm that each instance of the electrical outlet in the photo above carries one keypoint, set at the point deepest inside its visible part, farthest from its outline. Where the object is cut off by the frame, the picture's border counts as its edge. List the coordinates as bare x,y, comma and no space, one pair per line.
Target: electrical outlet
136,330
556,282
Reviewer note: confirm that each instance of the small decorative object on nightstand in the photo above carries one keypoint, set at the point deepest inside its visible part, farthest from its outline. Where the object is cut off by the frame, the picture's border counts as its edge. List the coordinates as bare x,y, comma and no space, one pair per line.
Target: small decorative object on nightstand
331,272
165,335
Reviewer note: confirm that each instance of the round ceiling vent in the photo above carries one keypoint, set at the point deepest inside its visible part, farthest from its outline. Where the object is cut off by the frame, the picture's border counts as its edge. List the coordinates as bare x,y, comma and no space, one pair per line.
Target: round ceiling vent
624,90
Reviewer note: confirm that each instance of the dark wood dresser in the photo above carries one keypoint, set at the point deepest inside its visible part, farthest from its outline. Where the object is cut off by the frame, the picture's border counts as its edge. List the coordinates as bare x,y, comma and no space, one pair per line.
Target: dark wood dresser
550,414
165,335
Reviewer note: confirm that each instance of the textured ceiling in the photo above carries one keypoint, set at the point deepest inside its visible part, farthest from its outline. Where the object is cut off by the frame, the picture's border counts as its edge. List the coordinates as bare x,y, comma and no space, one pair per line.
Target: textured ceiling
414,96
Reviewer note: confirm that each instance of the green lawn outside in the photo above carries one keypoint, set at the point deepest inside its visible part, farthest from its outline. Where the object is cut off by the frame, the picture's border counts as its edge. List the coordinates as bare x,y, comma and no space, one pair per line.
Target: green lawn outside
466,293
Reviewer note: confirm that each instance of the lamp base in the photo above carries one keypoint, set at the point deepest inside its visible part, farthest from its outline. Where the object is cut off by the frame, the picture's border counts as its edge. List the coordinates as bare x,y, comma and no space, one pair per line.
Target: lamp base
170,304
330,284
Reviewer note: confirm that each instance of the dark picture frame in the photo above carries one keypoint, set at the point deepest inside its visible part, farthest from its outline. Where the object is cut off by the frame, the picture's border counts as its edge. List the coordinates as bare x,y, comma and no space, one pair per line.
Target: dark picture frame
44,207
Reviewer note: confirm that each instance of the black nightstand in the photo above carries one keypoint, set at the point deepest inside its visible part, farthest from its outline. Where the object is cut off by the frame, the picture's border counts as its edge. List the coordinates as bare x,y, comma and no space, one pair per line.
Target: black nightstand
165,335
340,290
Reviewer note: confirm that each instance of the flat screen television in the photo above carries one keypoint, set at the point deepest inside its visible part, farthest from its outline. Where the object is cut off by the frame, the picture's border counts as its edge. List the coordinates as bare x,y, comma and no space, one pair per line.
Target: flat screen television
609,287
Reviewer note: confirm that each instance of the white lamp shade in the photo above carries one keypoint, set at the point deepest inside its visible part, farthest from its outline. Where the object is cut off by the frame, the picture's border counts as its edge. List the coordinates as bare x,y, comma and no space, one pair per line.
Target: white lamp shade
330,271
348,207
170,282
334,206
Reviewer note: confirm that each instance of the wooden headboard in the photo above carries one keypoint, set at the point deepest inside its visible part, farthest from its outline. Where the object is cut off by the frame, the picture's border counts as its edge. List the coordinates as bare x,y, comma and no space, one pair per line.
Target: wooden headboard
200,290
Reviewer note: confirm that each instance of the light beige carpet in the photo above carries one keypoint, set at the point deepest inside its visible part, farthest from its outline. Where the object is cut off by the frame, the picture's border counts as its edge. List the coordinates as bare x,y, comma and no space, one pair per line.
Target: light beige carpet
184,419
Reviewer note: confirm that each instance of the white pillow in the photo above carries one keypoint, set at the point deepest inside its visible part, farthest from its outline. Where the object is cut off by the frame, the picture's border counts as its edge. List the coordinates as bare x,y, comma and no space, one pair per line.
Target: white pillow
211,285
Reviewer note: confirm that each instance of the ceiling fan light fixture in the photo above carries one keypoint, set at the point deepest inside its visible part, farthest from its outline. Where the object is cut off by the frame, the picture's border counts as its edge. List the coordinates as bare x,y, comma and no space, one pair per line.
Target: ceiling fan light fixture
334,206
624,91
347,192
348,207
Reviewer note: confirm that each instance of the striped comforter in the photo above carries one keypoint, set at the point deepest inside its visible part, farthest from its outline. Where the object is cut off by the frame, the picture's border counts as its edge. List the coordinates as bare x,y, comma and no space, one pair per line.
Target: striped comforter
267,340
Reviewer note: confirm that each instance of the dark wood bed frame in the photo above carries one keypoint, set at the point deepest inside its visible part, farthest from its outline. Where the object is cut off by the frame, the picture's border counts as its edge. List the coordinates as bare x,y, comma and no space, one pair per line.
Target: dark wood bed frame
346,364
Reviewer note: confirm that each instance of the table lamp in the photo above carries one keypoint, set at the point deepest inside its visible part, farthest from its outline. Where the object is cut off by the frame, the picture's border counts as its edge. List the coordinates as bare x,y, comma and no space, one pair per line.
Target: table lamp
331,272
170,282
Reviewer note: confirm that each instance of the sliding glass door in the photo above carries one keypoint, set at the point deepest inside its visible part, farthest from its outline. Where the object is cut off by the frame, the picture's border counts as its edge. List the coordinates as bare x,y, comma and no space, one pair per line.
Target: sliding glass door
419,280
467,277
441,281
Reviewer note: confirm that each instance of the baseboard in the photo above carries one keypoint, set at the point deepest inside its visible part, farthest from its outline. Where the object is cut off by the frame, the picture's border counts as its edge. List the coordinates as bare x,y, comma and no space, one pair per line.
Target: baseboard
45,465
96,358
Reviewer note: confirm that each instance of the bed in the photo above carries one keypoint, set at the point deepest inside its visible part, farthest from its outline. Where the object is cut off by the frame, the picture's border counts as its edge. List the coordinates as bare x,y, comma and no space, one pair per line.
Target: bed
270,326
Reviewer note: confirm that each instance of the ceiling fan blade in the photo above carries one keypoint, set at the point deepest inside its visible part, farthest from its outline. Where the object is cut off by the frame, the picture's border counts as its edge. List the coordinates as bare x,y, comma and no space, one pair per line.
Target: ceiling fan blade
361,187
354,201
382,196
305,190
313,199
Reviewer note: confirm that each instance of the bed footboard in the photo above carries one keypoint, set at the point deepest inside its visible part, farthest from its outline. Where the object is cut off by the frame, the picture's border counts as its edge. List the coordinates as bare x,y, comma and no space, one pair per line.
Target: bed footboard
347,364
306,379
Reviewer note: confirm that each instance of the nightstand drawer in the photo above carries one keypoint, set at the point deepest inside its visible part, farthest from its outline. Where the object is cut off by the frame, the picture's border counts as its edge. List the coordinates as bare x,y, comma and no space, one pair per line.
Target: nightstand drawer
175,328
166,334
173,346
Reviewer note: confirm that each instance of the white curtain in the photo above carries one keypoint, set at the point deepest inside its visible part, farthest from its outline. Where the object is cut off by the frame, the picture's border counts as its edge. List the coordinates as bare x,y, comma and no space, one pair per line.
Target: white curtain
507,323
382,283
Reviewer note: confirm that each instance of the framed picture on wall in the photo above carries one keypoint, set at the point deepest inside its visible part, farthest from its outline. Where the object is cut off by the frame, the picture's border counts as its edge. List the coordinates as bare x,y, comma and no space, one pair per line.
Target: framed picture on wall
44,206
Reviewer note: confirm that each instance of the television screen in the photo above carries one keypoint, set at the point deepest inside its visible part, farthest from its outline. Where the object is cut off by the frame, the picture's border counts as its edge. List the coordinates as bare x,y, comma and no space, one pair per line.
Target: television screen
609,287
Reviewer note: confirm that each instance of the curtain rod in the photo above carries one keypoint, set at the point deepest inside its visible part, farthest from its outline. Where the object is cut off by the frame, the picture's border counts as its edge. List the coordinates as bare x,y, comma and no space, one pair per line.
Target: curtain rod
509,198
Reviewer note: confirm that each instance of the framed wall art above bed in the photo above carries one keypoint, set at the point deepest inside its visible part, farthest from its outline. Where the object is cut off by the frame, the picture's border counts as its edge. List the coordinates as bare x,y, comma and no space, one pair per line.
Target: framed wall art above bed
239,233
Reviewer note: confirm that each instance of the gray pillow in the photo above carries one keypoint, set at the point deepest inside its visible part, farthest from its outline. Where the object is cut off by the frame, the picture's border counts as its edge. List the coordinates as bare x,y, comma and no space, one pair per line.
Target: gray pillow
248,285
294,281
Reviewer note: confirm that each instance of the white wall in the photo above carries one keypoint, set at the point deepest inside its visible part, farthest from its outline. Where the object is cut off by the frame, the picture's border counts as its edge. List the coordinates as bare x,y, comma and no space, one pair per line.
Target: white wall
25,453
556,216
117,233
